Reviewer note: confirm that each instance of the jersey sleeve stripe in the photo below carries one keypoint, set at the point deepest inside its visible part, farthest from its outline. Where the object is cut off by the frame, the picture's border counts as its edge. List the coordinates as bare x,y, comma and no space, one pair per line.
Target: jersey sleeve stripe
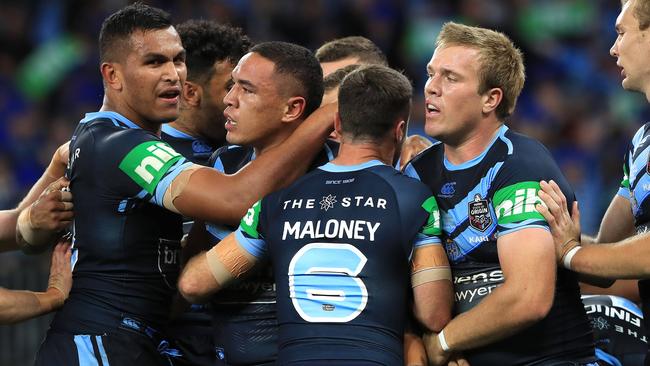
164,183
508,231
255,247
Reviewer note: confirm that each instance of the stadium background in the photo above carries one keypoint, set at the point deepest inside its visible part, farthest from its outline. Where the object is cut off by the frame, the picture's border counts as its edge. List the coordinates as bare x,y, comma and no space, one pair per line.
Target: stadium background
572,100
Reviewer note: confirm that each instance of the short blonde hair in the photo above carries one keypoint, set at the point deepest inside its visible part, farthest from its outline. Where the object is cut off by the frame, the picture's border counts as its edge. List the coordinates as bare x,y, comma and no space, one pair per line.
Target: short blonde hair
641,12
501,63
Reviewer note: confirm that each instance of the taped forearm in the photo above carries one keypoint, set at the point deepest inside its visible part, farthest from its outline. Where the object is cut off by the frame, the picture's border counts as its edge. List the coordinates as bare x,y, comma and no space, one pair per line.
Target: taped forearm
228,260
430,274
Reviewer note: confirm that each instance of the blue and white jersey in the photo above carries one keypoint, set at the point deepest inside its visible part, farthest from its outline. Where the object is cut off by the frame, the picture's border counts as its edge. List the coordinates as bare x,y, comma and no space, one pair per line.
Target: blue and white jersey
193,148
618,328
126,247
481,200
635,186
245,323
340,241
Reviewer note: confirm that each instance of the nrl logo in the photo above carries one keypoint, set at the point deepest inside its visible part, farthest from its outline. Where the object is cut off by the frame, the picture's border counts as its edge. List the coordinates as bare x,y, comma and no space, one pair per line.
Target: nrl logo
479,213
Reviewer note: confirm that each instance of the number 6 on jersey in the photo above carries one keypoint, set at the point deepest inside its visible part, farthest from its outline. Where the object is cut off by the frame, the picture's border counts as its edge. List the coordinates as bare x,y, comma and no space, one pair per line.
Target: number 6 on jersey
323,285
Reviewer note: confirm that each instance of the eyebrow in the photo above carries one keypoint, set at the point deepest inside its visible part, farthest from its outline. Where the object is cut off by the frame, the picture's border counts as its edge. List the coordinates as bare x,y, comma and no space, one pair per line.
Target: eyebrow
444,71
246,83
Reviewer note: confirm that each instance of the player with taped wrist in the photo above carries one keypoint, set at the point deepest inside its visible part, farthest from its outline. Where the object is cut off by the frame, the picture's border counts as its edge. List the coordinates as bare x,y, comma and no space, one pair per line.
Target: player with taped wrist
357,213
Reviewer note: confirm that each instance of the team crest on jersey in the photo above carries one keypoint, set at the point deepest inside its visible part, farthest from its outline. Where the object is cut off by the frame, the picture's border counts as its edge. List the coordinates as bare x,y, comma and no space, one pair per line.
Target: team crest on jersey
479,213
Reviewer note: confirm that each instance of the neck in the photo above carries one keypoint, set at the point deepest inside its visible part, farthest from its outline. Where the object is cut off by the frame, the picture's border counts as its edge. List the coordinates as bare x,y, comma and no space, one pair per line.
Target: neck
354,153
277,138
186,127
110,106
473,145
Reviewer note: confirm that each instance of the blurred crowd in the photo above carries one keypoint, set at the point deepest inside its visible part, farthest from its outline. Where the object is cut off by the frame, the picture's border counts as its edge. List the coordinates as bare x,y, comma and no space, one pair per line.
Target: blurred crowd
572,100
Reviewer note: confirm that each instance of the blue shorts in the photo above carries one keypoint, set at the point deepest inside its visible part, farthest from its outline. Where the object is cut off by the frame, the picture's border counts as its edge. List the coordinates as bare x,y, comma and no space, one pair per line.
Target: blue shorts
118,348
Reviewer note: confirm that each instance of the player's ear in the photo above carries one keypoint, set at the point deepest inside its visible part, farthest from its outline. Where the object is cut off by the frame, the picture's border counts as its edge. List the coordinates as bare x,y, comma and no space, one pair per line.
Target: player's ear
112,75
294,109
192,94
337,124
400,131
491,99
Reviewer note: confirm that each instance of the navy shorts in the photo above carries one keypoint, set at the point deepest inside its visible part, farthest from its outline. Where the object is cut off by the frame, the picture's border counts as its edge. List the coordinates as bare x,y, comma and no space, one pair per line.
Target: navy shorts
118,348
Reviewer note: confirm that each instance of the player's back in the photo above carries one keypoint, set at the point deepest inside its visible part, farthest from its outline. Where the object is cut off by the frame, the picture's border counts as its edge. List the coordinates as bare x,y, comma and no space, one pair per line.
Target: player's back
618,330
126,250
245,323
340,241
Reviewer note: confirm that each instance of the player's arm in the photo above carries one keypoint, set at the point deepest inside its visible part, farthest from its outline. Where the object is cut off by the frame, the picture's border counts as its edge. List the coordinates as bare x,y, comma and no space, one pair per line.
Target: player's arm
629,258
17,305
618,221
617,224
209,195
432,288
414,353
43,207
208,272
528,263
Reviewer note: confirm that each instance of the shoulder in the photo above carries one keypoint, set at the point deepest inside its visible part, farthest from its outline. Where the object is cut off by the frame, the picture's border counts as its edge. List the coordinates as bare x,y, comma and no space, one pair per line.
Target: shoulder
420,167
527,155
406,188
229,159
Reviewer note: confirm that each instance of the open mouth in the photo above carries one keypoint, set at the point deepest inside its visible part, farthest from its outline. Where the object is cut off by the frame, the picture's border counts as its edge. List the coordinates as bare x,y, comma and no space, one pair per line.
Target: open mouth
170,95
229,123
432,108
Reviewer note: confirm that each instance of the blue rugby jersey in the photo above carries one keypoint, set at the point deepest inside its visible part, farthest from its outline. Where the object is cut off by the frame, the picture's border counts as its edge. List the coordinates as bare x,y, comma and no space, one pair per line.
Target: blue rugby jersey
126,248
618,329
340,241
487,197
245,323
635,187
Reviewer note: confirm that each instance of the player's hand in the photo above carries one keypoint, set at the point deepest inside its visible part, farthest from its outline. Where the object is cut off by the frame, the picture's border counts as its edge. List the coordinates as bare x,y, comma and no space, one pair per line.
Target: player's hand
59,161
411,147
53,209
434,352
458,360
61,271
564,227
326,114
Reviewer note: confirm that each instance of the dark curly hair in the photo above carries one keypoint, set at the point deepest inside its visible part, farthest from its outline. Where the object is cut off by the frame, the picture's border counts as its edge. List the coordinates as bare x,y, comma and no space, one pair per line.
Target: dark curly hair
207,42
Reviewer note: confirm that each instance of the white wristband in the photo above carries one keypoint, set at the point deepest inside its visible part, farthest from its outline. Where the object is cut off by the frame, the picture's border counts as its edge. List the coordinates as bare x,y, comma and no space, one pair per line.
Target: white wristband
443,341
569,256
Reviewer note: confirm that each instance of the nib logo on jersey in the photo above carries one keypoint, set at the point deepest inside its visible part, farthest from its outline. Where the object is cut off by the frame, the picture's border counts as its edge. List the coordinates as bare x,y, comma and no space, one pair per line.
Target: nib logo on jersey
148,163
516,203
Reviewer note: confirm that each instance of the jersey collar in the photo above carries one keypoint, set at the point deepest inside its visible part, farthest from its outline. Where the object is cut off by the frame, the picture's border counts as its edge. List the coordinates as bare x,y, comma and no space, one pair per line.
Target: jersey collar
334,168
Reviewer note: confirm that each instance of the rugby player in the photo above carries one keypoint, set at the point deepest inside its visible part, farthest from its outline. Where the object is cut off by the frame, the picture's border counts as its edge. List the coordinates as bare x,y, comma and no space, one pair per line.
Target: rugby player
245,324
486,178
212,51
128,187
626,220
341,240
